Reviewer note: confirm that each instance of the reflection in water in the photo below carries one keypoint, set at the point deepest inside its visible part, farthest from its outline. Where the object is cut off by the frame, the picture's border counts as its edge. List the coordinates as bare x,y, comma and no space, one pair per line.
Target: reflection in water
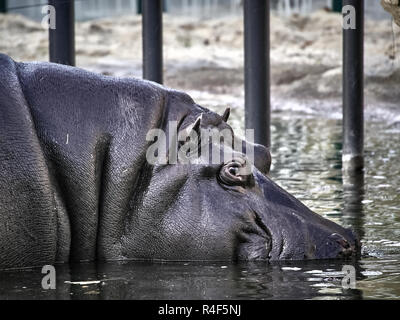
139,280
306,162
353,196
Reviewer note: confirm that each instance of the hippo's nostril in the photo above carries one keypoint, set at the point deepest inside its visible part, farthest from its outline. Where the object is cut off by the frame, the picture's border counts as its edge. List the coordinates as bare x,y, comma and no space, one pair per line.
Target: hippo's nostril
346,252
340,240
344,243
339,246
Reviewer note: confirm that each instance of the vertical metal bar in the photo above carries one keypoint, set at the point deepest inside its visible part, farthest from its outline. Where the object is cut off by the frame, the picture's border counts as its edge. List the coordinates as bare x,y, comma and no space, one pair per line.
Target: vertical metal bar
256,69
337,5
353,85
3,6
62,38
152,40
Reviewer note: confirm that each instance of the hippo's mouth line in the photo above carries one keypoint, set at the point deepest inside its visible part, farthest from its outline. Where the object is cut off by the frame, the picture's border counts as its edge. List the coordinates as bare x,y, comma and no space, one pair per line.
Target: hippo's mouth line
262,226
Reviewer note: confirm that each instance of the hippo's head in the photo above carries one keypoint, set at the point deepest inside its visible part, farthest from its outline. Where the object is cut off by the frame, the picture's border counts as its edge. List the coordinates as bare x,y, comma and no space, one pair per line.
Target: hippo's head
229,210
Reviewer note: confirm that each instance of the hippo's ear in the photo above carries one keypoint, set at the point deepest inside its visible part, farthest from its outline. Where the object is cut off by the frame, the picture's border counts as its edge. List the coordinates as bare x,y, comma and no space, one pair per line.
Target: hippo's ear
197,124
191,129
189,141
226,114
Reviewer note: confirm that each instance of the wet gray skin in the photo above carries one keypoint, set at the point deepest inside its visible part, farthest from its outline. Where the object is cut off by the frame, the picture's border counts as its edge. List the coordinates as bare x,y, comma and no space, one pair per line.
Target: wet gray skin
75,184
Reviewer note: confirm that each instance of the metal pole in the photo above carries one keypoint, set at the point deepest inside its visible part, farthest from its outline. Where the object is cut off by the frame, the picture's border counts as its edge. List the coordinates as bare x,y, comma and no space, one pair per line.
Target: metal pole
3,6
256,69
152,40
353,84
337,5
62,38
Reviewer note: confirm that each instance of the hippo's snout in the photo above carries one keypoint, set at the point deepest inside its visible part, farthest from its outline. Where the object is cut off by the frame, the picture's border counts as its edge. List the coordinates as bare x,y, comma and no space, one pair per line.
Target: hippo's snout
337,246
299,233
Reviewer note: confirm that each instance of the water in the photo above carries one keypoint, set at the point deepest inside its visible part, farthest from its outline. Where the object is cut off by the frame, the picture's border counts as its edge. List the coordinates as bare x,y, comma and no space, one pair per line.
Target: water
307,154
307,162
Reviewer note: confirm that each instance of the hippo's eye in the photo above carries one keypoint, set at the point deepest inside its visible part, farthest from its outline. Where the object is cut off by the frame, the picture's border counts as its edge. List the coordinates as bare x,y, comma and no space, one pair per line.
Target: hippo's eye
233,173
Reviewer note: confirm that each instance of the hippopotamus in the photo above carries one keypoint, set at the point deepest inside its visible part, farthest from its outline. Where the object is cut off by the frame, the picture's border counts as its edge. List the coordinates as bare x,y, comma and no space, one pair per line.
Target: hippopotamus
75,183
